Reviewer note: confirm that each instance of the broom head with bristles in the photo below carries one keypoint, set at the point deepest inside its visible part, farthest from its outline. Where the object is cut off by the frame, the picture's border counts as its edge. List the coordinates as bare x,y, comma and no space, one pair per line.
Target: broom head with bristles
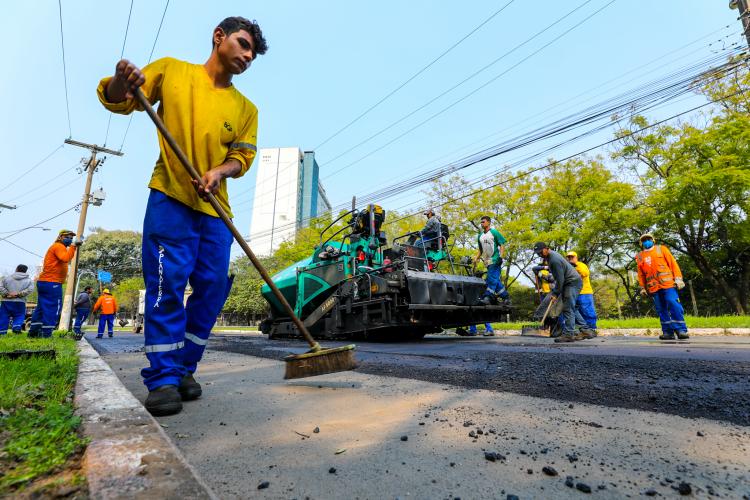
320,362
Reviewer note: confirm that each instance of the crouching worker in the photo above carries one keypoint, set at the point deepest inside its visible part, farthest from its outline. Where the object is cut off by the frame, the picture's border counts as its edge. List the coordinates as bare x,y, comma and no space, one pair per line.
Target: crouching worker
183,237
660,278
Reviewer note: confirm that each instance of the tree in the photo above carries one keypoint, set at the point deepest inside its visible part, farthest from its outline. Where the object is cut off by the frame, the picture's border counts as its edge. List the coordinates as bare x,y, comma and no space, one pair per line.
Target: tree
118,252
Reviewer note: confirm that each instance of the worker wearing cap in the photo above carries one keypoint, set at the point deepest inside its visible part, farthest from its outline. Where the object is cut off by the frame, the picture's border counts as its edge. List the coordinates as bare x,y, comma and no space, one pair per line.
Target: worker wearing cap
431,229
108,305
660,278
568,285
183,237
585,301
49,284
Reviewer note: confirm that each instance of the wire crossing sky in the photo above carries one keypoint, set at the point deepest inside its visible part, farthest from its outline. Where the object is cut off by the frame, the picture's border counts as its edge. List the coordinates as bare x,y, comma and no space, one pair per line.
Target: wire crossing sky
336,74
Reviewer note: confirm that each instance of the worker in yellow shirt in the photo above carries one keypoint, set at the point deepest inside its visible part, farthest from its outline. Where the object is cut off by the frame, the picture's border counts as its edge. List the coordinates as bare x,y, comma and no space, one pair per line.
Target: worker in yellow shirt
183,239
585,301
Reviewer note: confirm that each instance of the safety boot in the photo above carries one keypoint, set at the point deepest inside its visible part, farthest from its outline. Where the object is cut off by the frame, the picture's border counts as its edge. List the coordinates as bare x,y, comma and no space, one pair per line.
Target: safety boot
489,333
666,336
189,388
565,338
683,335
484,301
587,333
164,400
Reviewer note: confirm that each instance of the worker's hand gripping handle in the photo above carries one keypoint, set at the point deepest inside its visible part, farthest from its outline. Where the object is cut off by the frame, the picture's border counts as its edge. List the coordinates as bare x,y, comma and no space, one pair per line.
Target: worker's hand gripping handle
224,216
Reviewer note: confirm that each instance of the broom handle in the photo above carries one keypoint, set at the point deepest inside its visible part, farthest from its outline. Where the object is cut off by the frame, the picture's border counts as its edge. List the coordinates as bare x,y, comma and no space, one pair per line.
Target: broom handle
549,306
223,215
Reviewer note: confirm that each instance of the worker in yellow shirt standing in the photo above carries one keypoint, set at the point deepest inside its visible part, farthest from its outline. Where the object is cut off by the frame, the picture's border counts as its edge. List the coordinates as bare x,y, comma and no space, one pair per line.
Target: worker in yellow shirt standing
183,238
49,284
585,301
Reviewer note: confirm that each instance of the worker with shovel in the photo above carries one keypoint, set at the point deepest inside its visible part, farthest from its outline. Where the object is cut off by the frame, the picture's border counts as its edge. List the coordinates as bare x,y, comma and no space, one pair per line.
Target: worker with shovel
183,237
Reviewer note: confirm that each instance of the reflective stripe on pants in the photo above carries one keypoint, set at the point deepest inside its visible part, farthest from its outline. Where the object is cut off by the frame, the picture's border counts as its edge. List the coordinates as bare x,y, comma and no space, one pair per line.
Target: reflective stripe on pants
670,311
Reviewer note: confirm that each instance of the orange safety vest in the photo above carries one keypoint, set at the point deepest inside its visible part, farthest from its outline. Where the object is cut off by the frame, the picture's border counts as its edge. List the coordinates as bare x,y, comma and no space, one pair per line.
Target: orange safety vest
657,269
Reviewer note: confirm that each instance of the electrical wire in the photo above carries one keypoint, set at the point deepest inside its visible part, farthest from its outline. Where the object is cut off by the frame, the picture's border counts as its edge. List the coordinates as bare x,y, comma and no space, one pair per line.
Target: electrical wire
645,97
49,193
65,71
58,148
415,75
41,222
466,96
150,55
122,54
461,82
570,157
26,193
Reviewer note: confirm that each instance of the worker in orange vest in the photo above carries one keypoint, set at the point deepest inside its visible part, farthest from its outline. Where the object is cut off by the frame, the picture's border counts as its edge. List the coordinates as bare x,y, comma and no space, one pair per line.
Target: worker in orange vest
660,278
108,305
49,284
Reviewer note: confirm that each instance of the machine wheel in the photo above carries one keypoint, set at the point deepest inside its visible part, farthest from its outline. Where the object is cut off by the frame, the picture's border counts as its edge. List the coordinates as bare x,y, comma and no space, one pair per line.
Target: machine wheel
462,332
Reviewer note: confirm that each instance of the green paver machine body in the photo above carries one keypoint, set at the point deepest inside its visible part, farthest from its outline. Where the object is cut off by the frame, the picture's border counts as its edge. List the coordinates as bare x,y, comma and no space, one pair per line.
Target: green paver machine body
355,286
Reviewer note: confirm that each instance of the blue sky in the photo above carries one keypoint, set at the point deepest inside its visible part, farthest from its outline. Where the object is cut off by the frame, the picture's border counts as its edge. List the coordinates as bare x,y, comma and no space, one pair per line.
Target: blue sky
327,62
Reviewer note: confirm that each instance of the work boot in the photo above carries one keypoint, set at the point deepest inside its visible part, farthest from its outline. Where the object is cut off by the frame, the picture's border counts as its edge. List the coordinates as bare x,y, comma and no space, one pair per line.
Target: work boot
666,336
488,333
565,338
164,400
189,388
484,301
100,336
683,335
587,333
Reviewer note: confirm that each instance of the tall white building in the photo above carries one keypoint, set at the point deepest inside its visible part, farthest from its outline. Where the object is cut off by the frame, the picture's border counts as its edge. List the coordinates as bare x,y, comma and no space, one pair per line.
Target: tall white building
287,193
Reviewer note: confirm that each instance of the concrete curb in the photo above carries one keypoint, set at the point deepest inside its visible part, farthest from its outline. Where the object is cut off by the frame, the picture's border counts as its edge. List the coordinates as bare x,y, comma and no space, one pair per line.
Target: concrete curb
653,332
129,455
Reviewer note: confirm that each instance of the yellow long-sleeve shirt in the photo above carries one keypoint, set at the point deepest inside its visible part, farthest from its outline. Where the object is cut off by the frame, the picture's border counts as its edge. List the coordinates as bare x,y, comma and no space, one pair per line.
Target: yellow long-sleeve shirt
210,124
583,270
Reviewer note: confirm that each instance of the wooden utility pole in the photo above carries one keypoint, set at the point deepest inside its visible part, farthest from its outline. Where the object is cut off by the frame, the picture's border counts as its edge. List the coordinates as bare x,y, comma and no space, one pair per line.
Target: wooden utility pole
70,285
692,297
742,7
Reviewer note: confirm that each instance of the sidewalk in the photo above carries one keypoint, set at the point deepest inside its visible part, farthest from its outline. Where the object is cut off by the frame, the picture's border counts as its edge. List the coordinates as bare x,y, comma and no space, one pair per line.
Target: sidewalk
384,437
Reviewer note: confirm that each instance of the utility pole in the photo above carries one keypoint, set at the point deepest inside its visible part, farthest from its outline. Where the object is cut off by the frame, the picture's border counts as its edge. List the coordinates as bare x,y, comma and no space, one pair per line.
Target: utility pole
742,7
70,284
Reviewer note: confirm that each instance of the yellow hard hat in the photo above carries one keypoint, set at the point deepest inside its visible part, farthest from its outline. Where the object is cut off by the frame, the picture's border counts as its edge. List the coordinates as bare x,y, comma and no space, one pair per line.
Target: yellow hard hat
65,231
106,290
571,254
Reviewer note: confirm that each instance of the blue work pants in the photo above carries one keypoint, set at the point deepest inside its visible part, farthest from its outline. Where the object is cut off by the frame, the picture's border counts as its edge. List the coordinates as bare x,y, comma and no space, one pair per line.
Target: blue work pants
495,283
670,311
180,245
81,314
585,306
11,310
487,328
109,321
570,316
47,312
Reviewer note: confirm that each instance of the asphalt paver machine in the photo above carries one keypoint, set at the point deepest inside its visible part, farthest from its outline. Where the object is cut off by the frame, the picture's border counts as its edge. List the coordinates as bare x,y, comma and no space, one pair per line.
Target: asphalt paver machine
355,285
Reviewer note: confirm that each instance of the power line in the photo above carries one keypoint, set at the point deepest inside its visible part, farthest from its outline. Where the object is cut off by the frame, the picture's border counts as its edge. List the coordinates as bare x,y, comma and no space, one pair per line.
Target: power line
65,71
643,98
443,110
122,54
49,193
151,54
26,193
415,75
58,148
588,150
39,223
455,86
24,249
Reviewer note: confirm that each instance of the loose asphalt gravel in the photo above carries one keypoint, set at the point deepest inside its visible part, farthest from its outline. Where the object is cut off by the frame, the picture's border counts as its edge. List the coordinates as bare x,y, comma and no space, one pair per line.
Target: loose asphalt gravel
701,378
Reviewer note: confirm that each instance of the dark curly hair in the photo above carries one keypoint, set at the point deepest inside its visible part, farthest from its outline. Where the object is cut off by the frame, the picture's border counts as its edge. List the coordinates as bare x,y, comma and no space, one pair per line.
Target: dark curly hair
233,24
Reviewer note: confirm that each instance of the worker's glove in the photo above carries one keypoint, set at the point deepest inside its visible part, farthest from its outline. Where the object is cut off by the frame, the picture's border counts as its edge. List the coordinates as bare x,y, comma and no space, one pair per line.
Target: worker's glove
78,241
644,292
679,283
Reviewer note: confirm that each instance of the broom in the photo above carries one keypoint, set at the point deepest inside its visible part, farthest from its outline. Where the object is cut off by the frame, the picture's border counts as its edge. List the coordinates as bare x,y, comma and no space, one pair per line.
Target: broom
537,329
317,361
